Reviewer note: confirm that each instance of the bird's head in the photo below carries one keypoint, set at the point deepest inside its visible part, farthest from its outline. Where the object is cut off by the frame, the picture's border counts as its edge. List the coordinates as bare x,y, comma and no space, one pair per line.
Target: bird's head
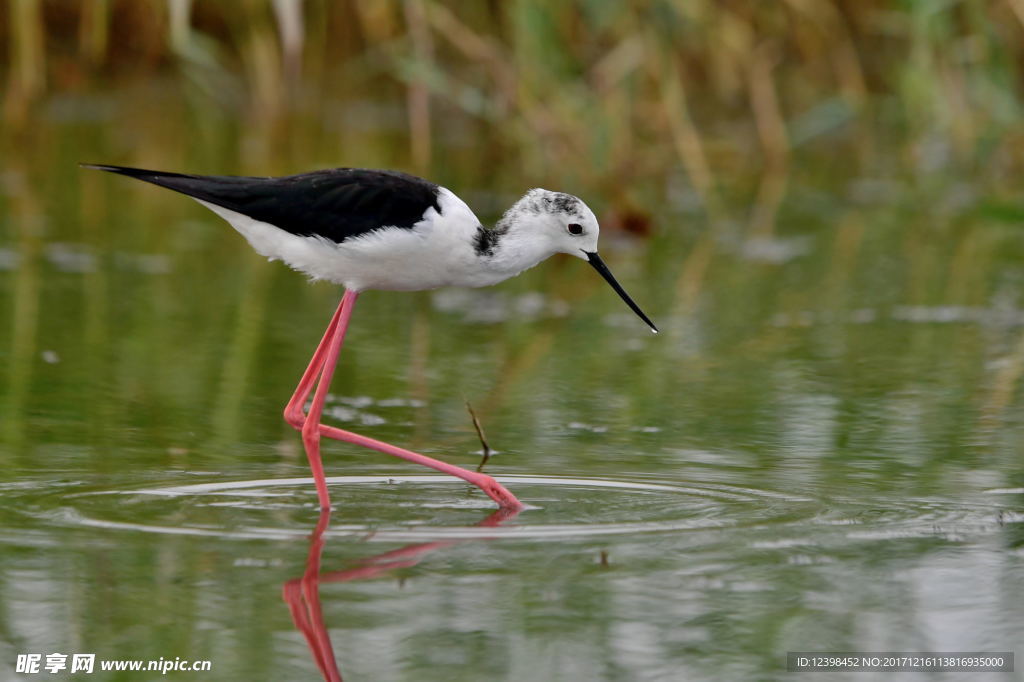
567,225
563,221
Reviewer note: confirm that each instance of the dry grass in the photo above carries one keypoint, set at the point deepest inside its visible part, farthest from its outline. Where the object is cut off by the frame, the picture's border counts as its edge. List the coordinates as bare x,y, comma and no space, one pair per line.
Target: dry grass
689,99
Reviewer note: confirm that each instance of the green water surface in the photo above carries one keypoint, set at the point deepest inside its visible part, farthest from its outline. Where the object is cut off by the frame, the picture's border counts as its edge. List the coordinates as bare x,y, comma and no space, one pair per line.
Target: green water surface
820,452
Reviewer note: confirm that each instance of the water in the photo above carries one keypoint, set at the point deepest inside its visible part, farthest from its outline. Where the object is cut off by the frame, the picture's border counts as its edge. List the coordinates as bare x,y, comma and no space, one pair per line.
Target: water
821,451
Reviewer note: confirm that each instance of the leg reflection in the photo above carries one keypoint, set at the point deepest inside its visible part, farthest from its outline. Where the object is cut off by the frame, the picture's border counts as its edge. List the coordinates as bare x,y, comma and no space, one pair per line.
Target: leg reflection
303,594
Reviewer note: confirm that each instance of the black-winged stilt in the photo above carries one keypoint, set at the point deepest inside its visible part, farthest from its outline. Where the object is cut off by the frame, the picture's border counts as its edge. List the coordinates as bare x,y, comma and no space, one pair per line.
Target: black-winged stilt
373,229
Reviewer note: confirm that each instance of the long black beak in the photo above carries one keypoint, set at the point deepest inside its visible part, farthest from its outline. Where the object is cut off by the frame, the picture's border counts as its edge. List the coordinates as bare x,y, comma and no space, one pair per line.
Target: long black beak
599,265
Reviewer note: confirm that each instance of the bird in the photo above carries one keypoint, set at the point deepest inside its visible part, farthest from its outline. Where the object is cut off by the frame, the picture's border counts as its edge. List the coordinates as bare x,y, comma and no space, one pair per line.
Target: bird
387,230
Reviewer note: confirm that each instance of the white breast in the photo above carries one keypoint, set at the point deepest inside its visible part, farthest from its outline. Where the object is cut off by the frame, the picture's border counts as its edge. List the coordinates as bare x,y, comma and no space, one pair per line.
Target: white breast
437,251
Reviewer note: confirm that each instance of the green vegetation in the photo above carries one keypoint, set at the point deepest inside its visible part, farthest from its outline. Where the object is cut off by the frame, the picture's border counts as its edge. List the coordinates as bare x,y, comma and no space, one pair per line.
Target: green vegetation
818,202
699,103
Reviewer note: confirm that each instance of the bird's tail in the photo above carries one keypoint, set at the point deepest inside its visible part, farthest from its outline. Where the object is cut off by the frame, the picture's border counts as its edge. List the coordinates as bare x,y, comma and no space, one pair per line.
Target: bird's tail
223,190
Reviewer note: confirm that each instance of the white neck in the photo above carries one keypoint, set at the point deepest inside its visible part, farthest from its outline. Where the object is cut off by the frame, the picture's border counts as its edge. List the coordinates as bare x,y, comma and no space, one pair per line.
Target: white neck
517,247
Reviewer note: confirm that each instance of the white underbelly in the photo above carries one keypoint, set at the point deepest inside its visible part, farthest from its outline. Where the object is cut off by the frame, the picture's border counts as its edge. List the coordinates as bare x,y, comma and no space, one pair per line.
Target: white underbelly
392,258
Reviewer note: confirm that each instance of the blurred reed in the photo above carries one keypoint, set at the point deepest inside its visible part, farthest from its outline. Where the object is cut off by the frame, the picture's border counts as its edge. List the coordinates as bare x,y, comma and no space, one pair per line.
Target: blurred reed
717,97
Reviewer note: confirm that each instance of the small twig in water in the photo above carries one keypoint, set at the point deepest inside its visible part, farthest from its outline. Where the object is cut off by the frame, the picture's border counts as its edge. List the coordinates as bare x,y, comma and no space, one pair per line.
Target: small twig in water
481,436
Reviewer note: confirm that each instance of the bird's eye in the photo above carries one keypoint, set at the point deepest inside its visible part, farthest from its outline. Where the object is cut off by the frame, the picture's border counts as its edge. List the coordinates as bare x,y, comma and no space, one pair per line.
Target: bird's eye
574,228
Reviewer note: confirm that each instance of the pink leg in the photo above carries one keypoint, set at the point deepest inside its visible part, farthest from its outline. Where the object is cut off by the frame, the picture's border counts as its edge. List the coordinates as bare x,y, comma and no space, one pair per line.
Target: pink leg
311,424
293,411
324,361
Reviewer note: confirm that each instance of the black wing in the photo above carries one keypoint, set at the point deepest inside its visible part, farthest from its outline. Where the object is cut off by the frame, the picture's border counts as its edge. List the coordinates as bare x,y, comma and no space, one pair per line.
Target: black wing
337,204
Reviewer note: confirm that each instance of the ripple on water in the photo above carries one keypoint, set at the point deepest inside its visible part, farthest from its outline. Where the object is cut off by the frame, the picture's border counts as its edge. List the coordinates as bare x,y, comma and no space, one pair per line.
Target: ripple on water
389,508
417,507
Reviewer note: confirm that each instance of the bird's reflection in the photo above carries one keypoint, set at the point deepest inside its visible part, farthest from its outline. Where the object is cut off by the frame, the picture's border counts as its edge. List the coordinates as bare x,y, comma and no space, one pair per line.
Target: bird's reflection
303,594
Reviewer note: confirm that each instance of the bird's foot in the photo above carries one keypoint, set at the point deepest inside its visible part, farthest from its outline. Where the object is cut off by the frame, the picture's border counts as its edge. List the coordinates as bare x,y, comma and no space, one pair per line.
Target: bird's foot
498,493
